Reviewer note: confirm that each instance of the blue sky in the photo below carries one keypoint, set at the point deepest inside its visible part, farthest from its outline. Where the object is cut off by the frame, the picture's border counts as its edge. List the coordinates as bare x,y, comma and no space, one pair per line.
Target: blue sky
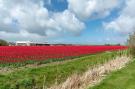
94,33
67,21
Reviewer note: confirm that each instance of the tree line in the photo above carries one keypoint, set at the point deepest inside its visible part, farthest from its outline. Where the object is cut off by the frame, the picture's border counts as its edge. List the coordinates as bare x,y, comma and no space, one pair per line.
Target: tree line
3,43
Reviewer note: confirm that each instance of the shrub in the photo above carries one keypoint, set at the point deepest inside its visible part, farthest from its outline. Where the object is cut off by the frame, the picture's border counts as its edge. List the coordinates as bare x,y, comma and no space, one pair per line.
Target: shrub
28,83
131,44
3,43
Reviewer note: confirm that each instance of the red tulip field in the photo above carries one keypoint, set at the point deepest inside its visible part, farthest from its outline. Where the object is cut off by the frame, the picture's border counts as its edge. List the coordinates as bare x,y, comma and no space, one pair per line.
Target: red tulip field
24,53
29,67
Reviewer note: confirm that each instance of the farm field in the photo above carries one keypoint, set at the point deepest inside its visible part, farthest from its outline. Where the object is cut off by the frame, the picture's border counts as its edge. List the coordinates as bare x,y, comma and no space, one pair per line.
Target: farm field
82,58
53,74
37,53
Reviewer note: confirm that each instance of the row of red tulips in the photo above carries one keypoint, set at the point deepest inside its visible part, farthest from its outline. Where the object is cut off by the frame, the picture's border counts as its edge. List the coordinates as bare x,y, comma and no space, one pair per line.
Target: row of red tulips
24,53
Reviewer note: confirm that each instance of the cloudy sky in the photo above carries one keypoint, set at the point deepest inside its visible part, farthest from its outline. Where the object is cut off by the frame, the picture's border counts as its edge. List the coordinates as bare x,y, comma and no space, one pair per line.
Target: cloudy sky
67,21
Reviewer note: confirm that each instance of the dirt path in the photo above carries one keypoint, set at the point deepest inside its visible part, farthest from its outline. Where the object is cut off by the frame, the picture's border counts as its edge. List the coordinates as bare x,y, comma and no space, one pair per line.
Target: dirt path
93,76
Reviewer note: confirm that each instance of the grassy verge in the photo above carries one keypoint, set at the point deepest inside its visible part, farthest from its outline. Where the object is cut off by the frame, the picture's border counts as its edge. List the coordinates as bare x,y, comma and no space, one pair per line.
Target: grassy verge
122,79
49,75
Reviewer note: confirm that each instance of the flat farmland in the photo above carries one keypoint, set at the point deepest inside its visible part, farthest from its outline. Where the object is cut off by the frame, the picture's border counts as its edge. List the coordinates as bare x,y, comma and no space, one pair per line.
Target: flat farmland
48,75
15,54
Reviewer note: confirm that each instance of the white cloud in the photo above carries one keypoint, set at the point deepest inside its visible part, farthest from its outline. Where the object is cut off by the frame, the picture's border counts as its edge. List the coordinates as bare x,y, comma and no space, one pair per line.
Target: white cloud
125,23
29,19
67,20
93,8
23,35
32,17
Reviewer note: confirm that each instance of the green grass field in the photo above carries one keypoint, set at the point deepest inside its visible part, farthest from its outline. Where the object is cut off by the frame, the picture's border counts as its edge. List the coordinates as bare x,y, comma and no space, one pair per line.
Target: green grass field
51,74
122,79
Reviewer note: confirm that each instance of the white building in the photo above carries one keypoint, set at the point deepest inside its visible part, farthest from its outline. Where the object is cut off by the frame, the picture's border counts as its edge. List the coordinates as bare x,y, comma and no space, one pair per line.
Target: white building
23,43
29,43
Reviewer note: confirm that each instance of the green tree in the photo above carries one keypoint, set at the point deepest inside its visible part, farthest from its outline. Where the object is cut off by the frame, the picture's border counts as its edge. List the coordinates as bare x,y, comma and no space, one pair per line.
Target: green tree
3,43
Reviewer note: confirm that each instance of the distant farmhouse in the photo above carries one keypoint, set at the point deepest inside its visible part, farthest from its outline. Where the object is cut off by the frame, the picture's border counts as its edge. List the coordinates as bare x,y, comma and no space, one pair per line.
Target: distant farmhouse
29,43
23,43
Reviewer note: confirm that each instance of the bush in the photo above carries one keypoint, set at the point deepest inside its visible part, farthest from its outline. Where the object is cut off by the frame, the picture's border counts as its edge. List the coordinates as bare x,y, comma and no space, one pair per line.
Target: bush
3,43
131,44
28,83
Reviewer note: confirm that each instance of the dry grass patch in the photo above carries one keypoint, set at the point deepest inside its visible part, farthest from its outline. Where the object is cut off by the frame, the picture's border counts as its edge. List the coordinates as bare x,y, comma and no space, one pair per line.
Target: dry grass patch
92,76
